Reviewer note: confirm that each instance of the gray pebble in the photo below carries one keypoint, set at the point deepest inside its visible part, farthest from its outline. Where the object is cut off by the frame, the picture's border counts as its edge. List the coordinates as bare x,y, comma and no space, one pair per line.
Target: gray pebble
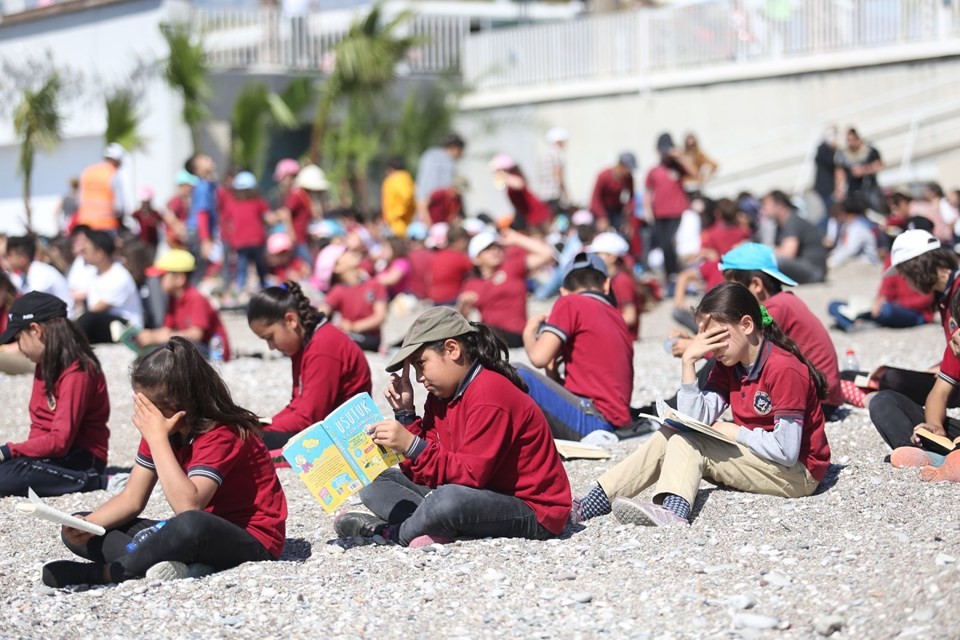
754,621
944,559
827,625
582,597
743,601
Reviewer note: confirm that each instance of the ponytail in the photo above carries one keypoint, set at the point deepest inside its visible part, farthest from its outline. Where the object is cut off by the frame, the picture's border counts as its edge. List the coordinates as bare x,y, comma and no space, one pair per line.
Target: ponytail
730,301
273,303
772,333
486,347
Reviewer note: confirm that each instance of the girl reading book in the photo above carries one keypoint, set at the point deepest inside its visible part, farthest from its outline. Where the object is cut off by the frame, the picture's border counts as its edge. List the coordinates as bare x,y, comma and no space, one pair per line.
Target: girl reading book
66,449
216,474
480,462
328,367
776,444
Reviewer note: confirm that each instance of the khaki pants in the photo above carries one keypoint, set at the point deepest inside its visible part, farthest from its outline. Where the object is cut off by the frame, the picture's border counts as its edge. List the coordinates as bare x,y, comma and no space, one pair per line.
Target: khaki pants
14,363
677,461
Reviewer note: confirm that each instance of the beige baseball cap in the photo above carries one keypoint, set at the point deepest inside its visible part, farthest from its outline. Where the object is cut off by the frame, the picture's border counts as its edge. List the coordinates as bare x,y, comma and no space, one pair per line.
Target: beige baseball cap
435,324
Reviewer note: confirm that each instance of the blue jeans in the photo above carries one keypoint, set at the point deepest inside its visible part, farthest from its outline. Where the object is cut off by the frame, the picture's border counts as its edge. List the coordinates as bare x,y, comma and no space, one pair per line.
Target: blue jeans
570,417
246,255
891,315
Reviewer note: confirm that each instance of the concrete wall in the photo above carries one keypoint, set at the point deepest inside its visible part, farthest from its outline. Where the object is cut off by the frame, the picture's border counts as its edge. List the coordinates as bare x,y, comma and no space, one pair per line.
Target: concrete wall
106,44
759,130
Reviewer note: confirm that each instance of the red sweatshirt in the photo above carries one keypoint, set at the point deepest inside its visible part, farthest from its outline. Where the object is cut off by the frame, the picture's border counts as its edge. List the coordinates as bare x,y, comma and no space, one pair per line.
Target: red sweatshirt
74,417
492,436
329,370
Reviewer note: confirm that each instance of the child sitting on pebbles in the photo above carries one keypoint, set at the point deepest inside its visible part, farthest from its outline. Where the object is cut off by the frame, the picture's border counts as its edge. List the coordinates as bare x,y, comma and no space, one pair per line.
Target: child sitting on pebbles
215,472
774,393
480,462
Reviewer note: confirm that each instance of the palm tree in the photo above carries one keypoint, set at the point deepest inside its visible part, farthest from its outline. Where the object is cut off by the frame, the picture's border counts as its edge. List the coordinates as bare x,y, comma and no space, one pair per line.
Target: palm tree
38,122
255,110
123,120
365,66
187,72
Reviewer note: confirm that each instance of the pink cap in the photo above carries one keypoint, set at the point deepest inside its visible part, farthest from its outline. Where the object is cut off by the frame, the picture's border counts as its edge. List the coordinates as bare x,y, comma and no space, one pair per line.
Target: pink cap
325,264
279,242
502,162
144,194
286,167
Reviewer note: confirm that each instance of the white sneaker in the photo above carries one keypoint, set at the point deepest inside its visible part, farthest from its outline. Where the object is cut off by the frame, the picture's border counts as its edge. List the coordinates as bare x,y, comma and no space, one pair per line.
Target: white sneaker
173,570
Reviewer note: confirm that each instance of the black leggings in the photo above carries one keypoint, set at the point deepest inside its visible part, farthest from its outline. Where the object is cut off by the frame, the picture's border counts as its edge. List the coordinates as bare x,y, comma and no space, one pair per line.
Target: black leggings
452,510
96,326
895,415
79,471
366,341
192,536
276,439
915,385
512,340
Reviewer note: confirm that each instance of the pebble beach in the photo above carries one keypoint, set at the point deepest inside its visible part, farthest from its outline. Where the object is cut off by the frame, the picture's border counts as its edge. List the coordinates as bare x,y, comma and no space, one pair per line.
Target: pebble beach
873,554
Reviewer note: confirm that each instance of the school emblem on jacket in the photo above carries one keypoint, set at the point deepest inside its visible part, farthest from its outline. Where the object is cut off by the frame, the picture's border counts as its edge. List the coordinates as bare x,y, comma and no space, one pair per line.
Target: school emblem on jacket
499,278
762,403
369,296
952,325
51,402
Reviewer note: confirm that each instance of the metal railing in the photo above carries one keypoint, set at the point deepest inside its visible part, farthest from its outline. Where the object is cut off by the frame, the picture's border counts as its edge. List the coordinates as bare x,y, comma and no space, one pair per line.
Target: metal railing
643,41
267,39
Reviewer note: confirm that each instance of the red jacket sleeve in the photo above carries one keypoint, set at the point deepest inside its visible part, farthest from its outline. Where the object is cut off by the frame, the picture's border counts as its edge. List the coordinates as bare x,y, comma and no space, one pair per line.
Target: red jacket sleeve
72,393
596,200
319,378
477,456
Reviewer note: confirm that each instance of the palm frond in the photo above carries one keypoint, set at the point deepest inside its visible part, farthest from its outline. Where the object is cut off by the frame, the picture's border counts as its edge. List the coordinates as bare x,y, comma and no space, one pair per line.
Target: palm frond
123,120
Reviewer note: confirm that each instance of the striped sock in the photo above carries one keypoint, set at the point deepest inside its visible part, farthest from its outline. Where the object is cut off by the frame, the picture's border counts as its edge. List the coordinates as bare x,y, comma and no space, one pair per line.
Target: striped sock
594,504
677,505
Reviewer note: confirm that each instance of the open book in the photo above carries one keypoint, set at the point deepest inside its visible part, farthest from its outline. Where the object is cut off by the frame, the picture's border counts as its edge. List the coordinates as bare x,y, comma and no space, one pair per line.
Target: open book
38,509
675,420
335,458
935,443
573,450
871,381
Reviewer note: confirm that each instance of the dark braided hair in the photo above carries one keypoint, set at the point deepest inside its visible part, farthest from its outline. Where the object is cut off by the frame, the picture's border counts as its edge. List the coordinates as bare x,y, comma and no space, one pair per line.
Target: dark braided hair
487,348
273,303
730,301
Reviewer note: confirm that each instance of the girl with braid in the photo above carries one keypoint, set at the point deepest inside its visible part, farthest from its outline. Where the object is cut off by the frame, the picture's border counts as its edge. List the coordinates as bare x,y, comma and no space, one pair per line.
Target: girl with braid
778,445
328,367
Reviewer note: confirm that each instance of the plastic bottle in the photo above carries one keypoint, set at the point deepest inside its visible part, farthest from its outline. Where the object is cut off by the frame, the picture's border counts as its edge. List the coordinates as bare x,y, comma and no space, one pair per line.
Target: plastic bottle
850,362
142,536
216,349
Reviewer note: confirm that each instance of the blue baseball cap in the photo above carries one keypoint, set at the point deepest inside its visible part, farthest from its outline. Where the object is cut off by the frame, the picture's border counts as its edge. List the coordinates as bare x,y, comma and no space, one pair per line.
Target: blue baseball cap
185,177
586,261
752,256
244,180
417,230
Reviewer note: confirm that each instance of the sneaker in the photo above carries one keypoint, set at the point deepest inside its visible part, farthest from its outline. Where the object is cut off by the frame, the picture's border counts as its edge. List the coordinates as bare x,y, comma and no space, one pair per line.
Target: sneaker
645,514
425,541
65,573
358,524
173,570
904,457
576,512
117,482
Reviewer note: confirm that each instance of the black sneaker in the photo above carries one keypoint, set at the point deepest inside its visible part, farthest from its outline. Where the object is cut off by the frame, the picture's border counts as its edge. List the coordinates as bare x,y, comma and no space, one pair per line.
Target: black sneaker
637,428
66,573
357,524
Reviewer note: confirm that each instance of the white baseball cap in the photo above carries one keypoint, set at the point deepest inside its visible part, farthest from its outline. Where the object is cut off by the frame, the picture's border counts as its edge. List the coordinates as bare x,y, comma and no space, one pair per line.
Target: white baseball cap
609,242
557,134
908,245
115,151
480,243
582,217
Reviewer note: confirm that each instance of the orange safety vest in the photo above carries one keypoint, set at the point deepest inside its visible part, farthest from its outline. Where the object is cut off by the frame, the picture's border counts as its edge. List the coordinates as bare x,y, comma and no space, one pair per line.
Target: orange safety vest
96,197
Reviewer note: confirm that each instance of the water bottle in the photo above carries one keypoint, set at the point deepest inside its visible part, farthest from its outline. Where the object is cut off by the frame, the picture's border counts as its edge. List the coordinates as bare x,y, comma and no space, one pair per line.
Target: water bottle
850,362
216,349
141,537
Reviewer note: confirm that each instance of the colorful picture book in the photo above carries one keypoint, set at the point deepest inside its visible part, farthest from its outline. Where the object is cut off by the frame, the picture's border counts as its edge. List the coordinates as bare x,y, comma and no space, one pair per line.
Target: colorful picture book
336,458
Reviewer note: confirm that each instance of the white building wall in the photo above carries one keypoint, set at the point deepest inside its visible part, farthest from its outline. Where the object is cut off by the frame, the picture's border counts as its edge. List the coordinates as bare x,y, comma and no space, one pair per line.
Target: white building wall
106,44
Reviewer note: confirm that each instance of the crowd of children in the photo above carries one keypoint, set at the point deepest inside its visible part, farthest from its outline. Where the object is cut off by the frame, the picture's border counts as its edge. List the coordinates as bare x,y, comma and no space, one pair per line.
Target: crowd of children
480,460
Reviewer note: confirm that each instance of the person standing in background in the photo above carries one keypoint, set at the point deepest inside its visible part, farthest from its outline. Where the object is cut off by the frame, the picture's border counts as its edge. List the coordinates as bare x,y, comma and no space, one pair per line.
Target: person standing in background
201,223
613,194
824,177
667,200
553,182
68,206
857,167
148,218
397,197
100,193
436,171
705,165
